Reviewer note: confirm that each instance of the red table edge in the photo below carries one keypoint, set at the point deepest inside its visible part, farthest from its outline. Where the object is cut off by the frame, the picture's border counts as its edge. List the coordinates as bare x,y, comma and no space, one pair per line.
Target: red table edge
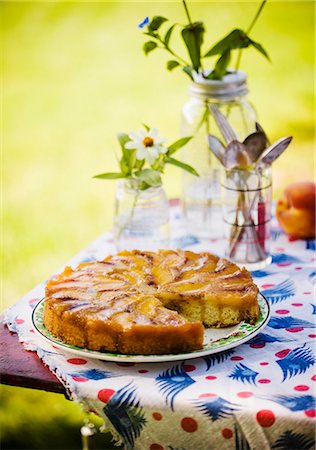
23,368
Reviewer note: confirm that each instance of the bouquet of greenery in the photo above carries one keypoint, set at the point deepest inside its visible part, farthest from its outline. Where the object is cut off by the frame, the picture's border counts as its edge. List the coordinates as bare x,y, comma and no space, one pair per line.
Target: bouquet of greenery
193,36
144,156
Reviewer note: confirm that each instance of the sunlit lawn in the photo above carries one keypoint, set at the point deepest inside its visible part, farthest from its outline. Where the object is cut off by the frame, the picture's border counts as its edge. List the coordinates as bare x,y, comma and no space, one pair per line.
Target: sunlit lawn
35,420
74,74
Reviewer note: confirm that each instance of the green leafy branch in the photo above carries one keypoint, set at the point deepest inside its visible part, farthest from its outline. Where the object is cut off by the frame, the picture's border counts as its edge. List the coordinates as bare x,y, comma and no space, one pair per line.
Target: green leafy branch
159,41
193,37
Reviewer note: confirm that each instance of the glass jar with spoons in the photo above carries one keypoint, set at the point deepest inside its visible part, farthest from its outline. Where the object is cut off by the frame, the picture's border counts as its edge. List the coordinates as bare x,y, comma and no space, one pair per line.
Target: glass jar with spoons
246,191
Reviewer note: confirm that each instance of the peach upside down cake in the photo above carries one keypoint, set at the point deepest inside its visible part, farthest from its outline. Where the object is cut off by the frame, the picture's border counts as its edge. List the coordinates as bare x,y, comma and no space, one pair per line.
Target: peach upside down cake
138,302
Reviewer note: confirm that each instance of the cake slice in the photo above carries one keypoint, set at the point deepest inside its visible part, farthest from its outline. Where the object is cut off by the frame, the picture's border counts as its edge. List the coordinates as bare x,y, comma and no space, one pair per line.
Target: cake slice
213,291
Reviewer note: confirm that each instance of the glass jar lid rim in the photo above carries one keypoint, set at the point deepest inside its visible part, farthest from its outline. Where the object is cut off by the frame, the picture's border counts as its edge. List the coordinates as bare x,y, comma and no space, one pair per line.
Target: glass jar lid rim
232,85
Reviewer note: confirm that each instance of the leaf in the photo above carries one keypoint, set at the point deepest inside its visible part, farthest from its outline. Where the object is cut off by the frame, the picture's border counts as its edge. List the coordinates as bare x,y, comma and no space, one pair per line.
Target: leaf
110,175
168,35
221,65
182,165
124,165
178,144
128,156
156,22
172,64
260,49
123,138
149,46
188,71
149,33
139,163
147,128
192,35
150,176
235,39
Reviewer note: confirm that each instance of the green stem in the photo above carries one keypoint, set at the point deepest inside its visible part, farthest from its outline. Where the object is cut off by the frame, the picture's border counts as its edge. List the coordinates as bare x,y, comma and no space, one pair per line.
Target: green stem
256,17
158,164
204,118
187,12
130,219
173,53
238,60
249,30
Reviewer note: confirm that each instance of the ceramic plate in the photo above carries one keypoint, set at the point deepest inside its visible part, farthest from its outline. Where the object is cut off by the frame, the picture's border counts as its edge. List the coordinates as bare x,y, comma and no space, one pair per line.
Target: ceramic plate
215,339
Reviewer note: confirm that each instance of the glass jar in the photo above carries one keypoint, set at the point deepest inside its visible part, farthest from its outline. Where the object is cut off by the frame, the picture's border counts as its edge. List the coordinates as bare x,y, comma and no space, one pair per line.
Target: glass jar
201,198
247,215
141,217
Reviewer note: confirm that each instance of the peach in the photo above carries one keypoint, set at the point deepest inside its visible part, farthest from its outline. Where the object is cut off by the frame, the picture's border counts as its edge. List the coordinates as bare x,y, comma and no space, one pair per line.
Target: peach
295,210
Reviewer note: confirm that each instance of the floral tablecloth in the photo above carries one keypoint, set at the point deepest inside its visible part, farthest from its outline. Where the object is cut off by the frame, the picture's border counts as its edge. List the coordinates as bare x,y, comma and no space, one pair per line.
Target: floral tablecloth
259,395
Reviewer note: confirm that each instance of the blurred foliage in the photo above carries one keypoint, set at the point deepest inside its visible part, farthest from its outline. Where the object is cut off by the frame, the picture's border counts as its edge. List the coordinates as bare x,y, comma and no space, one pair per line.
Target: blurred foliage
73,75
44,421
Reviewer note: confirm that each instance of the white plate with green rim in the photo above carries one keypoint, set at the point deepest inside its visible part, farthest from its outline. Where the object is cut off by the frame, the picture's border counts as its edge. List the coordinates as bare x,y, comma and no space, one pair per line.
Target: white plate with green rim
215,339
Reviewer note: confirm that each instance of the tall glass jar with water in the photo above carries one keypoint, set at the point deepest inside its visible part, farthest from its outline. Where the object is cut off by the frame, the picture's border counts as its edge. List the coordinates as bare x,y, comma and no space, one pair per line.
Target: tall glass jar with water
141,217
201,197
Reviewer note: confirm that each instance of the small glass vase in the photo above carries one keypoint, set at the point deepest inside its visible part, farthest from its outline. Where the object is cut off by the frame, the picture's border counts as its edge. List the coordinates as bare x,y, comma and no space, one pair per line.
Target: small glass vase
247,216
141,217
201,196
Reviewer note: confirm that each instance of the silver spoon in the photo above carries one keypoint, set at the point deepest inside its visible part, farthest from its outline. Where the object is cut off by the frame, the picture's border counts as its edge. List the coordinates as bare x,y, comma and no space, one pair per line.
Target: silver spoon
236,156
273,152
223,124
259,128
217,147
255,145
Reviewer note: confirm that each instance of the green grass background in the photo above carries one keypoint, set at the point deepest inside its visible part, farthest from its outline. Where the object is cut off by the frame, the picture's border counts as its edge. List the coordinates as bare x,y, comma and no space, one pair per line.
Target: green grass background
73,75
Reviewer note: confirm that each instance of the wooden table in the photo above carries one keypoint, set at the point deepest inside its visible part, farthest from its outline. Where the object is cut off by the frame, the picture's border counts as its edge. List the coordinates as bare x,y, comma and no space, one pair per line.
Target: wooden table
19,367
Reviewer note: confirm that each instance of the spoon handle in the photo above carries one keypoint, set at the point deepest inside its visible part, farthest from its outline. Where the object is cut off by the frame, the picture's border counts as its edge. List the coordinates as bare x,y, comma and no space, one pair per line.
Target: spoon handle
223,124
274,151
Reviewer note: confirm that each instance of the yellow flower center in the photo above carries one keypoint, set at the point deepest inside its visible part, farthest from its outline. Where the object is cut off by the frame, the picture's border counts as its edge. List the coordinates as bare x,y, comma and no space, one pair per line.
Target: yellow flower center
148,141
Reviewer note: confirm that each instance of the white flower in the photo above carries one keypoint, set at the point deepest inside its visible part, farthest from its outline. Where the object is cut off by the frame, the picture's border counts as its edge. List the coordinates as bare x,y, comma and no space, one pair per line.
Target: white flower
148,144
